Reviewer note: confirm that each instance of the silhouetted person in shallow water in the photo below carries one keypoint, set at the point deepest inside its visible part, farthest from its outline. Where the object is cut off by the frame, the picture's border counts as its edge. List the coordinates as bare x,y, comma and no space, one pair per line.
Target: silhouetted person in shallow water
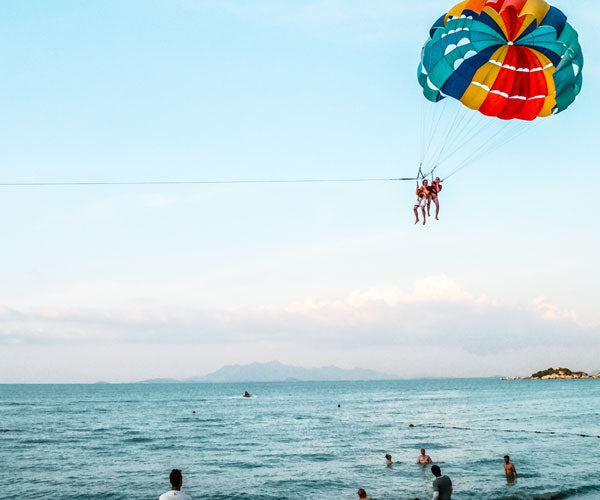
442,486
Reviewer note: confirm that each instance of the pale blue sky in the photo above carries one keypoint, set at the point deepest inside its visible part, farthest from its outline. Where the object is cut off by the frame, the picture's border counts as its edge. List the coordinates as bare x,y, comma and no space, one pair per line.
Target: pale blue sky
108,282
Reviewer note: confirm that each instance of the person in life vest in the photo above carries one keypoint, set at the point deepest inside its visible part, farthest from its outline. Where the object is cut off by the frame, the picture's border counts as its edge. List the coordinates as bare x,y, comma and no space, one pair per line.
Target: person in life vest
422,195
434,189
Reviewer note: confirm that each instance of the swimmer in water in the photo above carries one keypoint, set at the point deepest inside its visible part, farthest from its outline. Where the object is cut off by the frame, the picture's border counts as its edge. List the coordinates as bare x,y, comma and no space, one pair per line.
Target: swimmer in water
388,457
362,494
509,470
423,459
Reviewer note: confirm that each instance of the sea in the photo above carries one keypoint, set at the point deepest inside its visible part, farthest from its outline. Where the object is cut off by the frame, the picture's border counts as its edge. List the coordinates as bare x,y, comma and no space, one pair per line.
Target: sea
300,440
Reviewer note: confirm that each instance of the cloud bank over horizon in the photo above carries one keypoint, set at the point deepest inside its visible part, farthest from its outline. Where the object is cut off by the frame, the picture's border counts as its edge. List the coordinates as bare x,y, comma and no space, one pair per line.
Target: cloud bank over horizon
446,329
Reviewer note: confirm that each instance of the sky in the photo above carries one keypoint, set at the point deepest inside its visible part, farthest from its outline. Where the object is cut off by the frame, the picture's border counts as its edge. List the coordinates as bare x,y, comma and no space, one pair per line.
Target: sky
123,283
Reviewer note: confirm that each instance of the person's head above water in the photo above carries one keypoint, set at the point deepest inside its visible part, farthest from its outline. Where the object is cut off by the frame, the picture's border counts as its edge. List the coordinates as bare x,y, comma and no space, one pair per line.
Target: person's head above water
176,479
361,493
506,459
422,451
388,456
435,470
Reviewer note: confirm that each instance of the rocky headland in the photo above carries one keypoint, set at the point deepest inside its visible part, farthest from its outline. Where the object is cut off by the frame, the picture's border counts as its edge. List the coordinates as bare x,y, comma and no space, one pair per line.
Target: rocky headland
555,374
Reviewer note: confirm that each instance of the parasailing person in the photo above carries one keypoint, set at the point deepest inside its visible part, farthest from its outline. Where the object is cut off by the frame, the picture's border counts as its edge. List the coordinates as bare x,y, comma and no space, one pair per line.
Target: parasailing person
434,189
490,69
422,196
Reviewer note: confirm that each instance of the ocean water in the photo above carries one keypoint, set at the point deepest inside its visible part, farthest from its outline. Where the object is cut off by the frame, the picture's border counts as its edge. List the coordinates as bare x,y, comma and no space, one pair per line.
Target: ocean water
290,440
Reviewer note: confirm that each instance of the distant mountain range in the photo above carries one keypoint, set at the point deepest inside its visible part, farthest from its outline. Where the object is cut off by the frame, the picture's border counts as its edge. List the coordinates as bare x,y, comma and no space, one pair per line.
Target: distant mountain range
276,371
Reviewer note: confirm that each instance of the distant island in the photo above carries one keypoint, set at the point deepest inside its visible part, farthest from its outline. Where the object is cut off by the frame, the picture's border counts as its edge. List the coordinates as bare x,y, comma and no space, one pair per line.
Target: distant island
275,371
555,374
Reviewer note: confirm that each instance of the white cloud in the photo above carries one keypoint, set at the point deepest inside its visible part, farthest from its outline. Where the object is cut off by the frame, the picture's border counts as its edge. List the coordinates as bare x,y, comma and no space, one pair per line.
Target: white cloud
436,309
436,328
553,312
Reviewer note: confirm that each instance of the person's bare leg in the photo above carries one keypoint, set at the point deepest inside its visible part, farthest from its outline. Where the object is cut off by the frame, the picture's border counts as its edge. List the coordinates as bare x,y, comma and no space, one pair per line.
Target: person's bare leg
437,207
416,208
428,206
423,210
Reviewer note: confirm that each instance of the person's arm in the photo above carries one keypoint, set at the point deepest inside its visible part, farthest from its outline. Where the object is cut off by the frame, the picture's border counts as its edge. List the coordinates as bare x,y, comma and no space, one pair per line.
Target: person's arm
515,471
436,490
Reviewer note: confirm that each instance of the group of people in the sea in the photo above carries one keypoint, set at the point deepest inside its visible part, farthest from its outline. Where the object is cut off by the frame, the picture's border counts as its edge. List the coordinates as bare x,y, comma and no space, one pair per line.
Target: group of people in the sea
442,485
427,193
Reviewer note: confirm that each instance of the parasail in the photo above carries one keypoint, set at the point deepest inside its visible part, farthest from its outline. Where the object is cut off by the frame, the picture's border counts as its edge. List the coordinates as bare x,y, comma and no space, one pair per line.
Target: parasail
505,59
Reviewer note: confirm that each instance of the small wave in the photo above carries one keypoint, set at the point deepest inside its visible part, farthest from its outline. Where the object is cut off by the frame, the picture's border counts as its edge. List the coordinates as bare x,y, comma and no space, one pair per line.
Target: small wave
139,439
417,445
205,420
97,496
244,465
14,403
508,419
242,496
491,461
318,457
111,401
558,495
39,441
284,439
517,431
581,490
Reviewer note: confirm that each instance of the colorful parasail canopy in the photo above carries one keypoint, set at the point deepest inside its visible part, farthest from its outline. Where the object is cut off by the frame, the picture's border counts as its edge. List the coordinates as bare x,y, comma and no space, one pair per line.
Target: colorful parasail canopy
512,59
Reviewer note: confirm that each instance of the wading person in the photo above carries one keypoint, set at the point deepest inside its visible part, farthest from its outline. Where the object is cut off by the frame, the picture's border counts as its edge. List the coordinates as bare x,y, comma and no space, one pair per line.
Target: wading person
423,459
442,486
175,492
509,470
